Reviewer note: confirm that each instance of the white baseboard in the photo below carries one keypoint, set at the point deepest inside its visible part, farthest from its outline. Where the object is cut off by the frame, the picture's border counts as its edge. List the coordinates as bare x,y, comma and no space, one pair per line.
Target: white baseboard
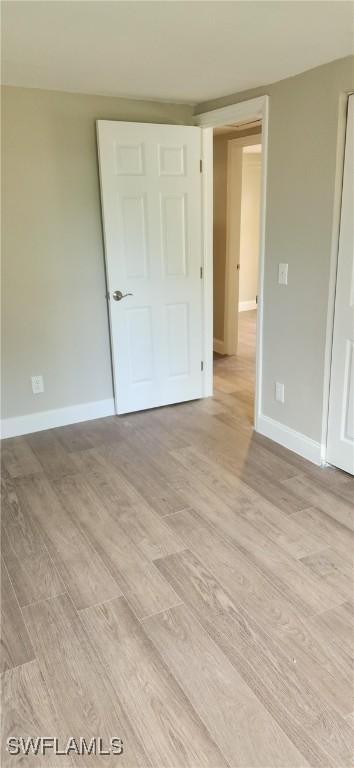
218,346
245,306
289,438
60,417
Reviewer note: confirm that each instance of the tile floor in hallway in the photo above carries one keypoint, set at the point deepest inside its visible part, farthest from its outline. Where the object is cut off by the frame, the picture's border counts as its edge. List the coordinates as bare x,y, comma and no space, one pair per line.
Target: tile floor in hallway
173,579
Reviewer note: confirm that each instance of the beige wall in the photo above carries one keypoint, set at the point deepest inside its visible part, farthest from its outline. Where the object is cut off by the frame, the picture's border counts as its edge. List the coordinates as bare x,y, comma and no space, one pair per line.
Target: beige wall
54,310
302,161
249,230
54,316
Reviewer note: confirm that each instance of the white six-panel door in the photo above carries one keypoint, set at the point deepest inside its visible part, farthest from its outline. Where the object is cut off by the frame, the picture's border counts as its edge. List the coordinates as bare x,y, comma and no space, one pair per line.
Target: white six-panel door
151,207
340,446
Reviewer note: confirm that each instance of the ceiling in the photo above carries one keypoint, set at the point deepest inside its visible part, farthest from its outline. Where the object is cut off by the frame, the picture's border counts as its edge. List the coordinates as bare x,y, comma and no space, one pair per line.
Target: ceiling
175,51
237,127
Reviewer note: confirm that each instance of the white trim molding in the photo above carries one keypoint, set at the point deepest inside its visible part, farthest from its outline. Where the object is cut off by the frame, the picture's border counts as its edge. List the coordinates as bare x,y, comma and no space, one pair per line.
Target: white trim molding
218,346
246,306
241,112
207,282
59,417
289,438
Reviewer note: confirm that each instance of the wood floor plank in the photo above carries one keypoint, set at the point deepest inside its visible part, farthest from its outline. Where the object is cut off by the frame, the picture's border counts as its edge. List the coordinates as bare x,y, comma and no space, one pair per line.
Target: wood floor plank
278,526
27,559
169,727
226,483
262,477
162,463
272,490
249,475
240,447
207,405
138,578
245,582
316,496
330,672
145,425
223,385
177,580
81,569
106,481
86,703
346,489
149,533
33,574
53,458
141,473
331,532
282,529
74,437
16,647
240,725
101,432
237,412
28,712
330,565
260,597
317,731
303,589
18,458
337,626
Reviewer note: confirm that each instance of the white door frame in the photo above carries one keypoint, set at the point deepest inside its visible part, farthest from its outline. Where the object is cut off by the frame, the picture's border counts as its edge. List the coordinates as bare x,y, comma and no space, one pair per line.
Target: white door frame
234,190
245,111
340,447
337,208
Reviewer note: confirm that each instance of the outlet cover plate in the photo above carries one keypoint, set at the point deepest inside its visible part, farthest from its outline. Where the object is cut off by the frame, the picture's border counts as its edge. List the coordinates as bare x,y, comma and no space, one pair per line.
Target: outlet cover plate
283,274
279,392
37,384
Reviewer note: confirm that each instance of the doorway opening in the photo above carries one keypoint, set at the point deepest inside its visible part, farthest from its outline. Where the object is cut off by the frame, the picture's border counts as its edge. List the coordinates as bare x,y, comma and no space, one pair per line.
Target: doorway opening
237,171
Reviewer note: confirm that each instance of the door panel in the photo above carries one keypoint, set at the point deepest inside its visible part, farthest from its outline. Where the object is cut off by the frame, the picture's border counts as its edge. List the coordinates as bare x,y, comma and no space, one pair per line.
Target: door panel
140,344
340,447
178,332
134,234
151,206
174,234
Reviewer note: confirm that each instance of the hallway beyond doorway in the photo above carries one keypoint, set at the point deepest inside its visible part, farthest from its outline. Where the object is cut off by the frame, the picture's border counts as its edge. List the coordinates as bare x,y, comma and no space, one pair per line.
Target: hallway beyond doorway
234,375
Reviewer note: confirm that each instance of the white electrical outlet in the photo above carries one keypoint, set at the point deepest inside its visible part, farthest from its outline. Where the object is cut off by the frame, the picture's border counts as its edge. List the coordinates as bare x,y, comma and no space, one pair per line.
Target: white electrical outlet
37,384
279,392
283,274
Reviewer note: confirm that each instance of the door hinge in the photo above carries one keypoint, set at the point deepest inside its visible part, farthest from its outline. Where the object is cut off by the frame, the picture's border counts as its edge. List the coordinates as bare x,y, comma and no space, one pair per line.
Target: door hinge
201,365
201,166
201,273
257,299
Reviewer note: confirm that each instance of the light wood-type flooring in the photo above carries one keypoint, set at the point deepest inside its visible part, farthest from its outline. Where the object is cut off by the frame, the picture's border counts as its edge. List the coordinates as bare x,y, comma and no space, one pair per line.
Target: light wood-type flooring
175,580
